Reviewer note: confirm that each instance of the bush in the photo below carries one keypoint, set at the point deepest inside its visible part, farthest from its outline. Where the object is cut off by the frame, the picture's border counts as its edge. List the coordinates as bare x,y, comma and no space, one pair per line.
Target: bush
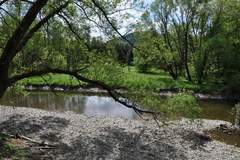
182,104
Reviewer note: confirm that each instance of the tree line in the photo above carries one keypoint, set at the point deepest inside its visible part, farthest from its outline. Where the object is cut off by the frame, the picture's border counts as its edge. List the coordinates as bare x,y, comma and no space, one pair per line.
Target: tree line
197,39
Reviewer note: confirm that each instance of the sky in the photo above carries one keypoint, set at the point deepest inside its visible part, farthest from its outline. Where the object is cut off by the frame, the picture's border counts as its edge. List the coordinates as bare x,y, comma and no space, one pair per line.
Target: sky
134,16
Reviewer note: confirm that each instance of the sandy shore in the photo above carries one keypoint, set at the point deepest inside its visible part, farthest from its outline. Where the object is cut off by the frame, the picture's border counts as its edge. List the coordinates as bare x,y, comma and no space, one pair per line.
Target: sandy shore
81,137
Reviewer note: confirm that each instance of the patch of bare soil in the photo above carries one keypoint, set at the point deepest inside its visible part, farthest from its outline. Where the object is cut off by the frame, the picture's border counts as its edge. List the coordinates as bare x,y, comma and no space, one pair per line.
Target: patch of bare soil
228,134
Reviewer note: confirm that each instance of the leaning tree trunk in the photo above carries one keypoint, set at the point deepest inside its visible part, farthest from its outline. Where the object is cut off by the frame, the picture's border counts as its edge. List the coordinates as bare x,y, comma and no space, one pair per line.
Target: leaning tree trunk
237,118
4,83
2,90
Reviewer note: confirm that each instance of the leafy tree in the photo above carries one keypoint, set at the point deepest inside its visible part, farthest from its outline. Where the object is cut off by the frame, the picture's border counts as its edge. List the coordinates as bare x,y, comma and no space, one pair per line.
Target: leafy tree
225,46
152,52
43,19
185,26
39,21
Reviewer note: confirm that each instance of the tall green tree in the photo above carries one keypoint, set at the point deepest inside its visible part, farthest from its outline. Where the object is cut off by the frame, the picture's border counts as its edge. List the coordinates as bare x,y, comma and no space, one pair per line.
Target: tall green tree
184,27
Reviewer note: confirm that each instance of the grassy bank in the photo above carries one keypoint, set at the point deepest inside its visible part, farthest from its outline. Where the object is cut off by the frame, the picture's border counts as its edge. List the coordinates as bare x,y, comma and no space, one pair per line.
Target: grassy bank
129,78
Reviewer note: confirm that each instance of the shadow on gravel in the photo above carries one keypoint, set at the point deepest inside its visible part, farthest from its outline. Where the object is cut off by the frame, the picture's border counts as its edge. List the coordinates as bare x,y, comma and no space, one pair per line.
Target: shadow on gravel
196,140
114,143
46,127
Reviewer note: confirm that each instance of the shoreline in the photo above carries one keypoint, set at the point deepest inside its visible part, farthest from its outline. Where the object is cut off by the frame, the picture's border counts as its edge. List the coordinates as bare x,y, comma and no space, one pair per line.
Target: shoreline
80,137
96,90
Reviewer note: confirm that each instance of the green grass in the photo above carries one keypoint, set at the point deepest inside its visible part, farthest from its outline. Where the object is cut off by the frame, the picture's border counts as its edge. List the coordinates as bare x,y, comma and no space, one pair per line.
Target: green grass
59,79
129,78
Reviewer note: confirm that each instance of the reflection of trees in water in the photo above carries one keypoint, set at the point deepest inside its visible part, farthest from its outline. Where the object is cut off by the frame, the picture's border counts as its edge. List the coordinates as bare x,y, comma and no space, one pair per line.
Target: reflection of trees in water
74,103
50,101
47,101
89,105
217,110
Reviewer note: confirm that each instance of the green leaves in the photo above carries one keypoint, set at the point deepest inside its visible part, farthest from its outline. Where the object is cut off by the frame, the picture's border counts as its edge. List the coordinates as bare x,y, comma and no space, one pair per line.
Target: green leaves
182,104
152,51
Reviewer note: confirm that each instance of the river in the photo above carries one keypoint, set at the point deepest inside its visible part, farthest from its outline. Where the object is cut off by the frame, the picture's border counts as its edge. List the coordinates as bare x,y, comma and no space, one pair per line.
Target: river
101,105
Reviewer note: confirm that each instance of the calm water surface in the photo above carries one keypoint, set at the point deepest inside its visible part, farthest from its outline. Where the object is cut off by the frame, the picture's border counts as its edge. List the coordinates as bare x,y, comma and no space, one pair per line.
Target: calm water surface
90,105
98,105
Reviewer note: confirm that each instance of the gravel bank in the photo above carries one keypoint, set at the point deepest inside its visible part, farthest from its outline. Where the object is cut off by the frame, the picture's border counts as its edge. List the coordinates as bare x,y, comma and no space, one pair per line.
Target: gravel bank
81,137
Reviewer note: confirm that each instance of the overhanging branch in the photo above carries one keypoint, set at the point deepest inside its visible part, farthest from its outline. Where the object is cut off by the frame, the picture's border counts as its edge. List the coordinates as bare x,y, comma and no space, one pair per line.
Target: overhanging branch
112,25
2,2
113,93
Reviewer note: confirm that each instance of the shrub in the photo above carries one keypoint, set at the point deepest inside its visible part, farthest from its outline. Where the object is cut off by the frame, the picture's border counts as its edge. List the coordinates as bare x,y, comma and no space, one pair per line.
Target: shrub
182,104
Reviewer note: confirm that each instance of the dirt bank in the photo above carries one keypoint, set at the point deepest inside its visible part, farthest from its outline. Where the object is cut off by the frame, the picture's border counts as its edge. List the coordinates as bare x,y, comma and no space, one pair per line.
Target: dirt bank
81,137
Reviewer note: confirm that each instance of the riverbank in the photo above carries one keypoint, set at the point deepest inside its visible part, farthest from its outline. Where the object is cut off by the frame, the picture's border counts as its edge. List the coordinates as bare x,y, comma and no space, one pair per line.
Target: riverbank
127,78
81,137
95,90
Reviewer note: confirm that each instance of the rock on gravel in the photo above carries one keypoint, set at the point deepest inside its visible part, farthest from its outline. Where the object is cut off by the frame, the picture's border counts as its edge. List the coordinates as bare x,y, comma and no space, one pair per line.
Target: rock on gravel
81,137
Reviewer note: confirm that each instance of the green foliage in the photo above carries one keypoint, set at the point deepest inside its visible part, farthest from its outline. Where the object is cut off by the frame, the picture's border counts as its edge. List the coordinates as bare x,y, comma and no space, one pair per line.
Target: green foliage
179,105
127,77
182,104
200,64
51,79
225,46
104,68
209,37
17,90
152,52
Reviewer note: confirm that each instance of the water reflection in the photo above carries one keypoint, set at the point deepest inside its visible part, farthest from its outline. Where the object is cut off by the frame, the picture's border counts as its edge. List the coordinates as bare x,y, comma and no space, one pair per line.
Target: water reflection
88,105
218,110
98,105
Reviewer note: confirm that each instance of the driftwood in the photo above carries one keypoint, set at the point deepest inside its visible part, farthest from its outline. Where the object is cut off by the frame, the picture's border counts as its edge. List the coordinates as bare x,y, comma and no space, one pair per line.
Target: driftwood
42,144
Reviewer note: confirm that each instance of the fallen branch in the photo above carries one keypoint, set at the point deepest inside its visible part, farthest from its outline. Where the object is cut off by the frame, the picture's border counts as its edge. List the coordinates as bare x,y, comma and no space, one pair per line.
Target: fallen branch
44,144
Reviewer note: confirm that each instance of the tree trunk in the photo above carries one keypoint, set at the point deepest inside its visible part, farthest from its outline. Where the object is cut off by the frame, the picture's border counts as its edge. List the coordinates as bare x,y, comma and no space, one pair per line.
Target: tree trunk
171,71
185,56
188,72
3,82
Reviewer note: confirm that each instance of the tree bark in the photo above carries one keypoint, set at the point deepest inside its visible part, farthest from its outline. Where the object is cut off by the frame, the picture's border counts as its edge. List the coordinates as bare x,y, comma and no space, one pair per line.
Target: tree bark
4,83
185,56
20,37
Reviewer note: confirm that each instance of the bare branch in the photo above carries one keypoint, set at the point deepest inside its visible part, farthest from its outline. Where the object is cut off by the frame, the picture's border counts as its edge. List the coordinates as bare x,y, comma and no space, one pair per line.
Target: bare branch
11,15
87,17
108,20
27,1
2,2
70,26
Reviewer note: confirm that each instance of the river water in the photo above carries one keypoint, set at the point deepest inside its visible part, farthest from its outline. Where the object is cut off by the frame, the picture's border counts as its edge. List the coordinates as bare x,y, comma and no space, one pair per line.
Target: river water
100,105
